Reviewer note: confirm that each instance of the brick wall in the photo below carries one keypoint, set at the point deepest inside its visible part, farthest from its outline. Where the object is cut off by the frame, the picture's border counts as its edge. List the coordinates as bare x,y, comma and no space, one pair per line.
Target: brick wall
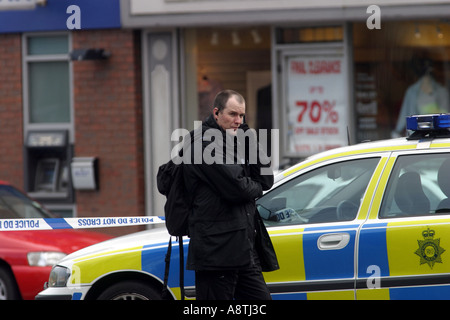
11,110
108,124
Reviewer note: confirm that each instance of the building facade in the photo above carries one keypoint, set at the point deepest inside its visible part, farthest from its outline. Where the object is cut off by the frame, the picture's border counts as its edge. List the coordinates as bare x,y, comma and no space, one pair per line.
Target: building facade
315,74
324,73
71,91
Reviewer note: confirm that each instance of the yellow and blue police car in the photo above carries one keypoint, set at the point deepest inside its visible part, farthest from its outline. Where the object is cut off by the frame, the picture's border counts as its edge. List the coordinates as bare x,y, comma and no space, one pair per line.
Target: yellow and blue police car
369,221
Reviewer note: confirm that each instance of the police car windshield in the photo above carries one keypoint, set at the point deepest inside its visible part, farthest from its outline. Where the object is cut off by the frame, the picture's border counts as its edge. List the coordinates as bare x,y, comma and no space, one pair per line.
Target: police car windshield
16,205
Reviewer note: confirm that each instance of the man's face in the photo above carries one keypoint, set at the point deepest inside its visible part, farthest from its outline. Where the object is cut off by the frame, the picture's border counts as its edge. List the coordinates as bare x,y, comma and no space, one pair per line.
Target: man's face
232,116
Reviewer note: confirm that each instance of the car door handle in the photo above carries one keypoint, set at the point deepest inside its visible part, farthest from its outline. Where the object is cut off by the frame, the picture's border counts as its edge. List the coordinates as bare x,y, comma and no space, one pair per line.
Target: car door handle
333,241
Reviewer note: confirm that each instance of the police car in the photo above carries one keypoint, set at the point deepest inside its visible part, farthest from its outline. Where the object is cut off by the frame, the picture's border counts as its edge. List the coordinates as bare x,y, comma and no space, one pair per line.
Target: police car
369,221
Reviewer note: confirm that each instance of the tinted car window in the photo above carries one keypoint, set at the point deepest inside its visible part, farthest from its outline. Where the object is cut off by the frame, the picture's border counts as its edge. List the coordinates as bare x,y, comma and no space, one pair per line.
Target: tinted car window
419,185
327,194
16,205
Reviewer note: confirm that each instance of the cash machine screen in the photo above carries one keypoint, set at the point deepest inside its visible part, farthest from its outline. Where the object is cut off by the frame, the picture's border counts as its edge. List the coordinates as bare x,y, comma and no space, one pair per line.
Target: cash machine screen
46,175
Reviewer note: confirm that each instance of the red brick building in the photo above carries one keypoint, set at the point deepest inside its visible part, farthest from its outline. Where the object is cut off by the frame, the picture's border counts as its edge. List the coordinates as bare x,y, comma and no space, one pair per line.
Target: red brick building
11,110
95,104
108,122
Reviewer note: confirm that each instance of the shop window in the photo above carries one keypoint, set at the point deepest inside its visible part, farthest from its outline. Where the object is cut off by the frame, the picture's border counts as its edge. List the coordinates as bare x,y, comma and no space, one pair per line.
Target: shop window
399,70
47,79
236,58
313,83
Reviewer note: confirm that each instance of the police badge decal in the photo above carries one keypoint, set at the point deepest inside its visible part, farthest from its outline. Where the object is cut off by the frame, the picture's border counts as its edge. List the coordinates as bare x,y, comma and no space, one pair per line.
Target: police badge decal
429,250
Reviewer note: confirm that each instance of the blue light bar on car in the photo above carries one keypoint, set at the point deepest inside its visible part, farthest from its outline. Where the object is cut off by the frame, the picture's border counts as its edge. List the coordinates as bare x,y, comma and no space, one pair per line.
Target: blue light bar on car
428,122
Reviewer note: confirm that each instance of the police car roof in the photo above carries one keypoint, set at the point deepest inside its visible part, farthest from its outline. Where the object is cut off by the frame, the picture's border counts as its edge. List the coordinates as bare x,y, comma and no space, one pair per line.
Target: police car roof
359,149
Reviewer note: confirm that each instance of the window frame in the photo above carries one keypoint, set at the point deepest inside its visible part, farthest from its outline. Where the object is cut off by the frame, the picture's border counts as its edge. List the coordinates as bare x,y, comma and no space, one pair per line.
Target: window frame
323,164
389,187
26,60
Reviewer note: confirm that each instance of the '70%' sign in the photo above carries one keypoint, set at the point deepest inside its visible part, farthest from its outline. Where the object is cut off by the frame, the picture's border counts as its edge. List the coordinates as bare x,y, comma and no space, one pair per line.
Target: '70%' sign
317,111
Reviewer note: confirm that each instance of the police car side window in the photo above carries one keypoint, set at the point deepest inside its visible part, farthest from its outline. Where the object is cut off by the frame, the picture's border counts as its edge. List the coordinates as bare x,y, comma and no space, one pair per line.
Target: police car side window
327,194
419,185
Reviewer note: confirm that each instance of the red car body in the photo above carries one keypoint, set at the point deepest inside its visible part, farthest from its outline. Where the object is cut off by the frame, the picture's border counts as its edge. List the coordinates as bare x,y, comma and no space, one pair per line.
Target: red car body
15,246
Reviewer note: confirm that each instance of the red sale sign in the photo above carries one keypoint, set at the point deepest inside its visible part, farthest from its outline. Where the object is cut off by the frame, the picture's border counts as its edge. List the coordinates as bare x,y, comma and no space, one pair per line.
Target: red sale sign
317,104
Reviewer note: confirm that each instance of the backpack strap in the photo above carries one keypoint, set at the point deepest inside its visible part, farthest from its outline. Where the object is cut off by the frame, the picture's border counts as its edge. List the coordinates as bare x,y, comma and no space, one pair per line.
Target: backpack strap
165,292
180,244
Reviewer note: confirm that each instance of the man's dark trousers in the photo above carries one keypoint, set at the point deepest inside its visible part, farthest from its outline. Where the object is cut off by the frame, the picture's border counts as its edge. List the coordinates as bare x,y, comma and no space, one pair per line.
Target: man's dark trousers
243,284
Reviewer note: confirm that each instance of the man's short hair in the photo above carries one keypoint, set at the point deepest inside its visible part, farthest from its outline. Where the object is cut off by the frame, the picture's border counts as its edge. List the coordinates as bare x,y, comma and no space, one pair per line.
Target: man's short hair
222,97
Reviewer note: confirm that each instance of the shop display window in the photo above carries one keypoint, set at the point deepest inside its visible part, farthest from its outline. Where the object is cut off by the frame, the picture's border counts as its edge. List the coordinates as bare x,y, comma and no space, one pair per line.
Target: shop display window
399,70
237,58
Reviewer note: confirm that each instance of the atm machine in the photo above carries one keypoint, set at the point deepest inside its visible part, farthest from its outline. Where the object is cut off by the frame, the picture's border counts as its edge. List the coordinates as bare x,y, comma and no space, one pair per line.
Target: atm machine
48,156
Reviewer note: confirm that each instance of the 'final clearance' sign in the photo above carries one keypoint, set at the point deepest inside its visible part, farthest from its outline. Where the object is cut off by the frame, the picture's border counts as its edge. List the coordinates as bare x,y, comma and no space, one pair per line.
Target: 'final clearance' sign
317,104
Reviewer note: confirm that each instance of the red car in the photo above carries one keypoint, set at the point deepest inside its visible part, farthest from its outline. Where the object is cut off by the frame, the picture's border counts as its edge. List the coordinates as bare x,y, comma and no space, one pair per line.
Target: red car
27,257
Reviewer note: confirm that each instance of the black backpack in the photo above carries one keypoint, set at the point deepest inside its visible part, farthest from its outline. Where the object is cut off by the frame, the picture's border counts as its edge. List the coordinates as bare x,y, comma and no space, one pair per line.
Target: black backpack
170,182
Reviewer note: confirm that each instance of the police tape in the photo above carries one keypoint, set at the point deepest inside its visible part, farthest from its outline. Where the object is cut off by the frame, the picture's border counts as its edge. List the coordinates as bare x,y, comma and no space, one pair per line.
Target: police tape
76,223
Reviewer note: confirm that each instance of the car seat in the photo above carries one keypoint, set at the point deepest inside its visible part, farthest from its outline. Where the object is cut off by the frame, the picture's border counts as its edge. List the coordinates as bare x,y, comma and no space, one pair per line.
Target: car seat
409,195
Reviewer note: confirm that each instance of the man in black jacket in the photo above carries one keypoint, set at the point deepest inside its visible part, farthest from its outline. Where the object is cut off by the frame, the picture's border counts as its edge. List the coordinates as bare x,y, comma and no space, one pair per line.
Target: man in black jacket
229,246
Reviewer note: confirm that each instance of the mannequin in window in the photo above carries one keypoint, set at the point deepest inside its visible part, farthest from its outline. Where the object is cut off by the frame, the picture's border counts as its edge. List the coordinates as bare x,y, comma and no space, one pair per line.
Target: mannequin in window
426,96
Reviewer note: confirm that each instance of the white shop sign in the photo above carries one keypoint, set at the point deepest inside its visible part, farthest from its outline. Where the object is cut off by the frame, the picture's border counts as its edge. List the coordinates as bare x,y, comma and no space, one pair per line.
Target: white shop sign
317,104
